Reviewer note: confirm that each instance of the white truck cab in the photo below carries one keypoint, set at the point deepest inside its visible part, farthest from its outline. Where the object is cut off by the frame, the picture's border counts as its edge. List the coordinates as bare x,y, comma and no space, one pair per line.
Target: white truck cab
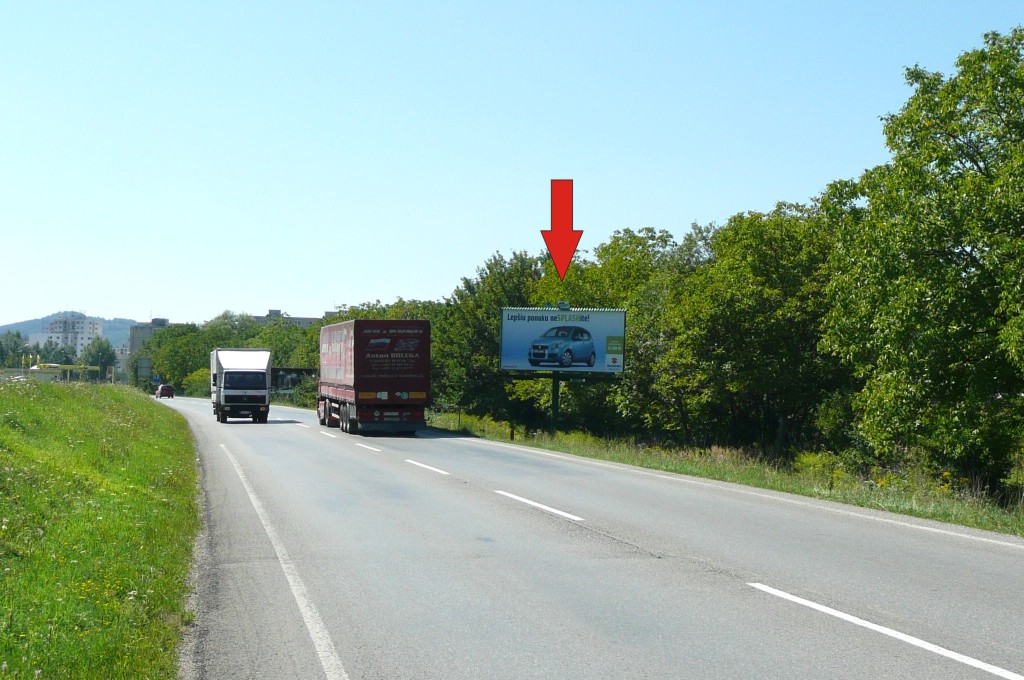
240,384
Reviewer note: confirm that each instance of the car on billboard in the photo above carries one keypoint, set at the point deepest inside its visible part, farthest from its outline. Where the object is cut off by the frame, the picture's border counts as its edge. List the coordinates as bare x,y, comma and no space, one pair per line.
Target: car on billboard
563,345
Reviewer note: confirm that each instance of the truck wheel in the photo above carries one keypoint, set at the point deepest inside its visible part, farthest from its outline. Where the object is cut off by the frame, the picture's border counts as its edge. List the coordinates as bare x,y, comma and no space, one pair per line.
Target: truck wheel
343,418
255,418
321,410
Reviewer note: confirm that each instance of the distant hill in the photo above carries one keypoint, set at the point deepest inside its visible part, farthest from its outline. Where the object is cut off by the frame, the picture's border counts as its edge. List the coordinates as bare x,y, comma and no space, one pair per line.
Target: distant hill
114,330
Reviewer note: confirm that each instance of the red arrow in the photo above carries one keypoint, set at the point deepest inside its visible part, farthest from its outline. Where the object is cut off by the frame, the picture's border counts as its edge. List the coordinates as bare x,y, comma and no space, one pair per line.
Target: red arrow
561,239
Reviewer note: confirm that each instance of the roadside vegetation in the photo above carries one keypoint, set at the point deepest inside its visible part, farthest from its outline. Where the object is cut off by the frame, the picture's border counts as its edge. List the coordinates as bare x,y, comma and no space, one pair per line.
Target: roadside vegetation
98,513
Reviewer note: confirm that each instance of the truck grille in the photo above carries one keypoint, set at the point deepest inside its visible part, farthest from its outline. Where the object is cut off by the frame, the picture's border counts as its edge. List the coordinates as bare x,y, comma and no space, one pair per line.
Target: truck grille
245,399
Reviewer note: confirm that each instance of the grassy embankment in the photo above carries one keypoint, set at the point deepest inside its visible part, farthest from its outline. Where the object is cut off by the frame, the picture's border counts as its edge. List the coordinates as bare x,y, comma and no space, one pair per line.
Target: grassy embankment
814,475
98,514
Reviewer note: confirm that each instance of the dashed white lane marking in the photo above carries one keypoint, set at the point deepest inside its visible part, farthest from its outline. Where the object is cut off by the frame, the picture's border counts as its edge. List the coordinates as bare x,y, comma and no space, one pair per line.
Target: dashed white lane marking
903,637
328,434
368,447
427,467
542,507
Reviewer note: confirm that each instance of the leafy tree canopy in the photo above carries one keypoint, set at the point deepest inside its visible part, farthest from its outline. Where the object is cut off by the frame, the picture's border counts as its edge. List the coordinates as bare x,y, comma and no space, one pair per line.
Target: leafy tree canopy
928,288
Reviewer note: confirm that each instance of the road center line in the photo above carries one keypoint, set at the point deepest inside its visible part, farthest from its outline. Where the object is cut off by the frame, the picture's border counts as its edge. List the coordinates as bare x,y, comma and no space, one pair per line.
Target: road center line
542,507
325,650
367,447
427,467
903,637
328,434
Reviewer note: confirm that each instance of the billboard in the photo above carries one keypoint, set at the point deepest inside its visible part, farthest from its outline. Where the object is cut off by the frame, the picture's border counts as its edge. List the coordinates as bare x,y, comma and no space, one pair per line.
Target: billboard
563,340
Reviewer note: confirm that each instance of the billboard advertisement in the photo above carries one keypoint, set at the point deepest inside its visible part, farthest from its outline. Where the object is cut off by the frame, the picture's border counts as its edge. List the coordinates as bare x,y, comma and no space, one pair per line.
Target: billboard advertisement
563,340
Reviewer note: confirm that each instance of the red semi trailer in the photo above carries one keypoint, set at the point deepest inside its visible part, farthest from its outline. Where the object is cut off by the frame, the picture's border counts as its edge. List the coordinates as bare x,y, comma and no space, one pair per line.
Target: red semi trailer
374,375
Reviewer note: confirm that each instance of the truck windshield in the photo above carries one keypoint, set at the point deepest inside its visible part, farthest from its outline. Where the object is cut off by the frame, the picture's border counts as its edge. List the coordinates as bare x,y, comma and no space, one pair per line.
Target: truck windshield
245,380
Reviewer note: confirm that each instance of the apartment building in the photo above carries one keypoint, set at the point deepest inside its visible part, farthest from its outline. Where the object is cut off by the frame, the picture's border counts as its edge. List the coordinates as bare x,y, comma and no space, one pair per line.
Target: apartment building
72,329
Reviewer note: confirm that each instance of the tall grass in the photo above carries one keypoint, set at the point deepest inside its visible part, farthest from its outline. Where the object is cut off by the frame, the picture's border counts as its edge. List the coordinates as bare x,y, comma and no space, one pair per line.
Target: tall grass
814,475
98,514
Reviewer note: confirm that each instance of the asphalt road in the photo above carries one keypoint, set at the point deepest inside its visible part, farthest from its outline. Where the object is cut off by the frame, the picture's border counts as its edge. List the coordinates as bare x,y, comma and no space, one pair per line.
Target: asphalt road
329,555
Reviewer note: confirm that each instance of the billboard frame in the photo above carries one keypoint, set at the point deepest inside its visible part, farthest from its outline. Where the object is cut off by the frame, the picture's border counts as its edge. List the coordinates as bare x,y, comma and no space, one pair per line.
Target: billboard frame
598,346
612,346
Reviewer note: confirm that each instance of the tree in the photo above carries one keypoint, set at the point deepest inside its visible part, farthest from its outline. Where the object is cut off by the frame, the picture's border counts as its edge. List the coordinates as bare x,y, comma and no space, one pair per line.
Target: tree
12,347
53,353
197,383
178,350
229,330
281,338
99,352
927,292
745,361
628,261
657,272
469,332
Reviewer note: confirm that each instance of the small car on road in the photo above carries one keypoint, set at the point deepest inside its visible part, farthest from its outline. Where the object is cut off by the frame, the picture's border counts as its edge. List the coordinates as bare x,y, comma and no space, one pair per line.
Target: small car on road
165,391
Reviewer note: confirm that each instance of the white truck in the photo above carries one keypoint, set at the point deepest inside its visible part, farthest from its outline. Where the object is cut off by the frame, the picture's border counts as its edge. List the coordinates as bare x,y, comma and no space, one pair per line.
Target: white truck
240,384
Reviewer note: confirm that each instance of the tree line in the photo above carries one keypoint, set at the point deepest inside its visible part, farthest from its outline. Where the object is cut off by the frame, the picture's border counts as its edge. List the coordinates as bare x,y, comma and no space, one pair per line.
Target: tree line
17,352
882,321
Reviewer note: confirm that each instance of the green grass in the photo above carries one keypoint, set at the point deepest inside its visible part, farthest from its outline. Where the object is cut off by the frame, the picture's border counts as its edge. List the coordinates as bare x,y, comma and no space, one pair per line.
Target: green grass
98,513
811,474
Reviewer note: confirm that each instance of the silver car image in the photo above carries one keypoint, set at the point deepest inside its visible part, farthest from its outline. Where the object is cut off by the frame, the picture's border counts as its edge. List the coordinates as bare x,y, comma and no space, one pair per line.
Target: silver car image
563,345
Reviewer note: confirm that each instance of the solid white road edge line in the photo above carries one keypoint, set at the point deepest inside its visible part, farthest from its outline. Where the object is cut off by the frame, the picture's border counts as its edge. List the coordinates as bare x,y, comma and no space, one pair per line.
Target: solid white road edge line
325,650
538,505
736,488
368,447
903,637
434,469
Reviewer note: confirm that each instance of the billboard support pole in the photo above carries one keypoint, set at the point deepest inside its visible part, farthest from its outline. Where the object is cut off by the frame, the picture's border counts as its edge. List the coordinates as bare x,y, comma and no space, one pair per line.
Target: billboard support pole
556,388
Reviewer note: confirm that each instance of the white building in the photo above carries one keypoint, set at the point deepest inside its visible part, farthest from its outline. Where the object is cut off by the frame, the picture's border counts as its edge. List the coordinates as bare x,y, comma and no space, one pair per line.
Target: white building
72,329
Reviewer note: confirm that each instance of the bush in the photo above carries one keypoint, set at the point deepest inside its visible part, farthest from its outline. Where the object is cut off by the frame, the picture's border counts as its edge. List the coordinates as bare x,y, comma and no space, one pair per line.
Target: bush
304,394
822,467
197,383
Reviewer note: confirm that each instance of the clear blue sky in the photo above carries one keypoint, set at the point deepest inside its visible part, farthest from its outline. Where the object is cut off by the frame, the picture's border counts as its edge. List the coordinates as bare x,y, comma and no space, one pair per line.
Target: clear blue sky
182,160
